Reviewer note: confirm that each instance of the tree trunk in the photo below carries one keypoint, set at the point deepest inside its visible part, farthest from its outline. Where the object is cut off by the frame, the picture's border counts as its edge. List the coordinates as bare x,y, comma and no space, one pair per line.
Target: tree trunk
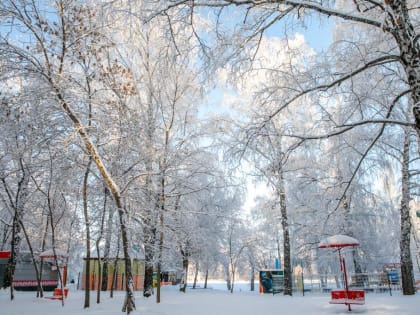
196,275
149,232
232,282
228,278
160,248
114,278
98,252
324,280
348,230
129,304
87,226
252,278
183,286
149,229
107,247
43,243
278,247
17,204
11,264
286,239
52,227
39,290
148,257
206,278
162,207
158,278
114,273
407,275
360,277
105,274
409,45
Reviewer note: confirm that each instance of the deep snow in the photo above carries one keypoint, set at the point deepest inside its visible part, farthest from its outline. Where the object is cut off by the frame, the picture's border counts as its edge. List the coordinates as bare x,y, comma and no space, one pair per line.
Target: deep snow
209,302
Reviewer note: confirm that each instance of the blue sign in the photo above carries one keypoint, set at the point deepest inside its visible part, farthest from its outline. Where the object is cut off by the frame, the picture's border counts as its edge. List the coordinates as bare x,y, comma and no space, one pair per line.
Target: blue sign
393,276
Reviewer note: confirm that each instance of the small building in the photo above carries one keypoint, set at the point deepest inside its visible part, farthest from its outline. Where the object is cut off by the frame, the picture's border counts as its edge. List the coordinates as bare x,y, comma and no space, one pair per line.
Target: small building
25,277
116,278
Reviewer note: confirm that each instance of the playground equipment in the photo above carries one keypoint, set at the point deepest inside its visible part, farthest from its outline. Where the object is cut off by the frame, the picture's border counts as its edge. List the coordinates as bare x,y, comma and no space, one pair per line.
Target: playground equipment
345,296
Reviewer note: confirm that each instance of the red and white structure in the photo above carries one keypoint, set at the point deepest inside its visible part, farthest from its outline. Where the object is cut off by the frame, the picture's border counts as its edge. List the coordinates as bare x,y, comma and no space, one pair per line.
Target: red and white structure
58,256
345,296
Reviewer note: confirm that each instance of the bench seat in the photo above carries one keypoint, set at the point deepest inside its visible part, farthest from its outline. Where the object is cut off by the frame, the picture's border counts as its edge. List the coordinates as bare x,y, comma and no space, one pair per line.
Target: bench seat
347,297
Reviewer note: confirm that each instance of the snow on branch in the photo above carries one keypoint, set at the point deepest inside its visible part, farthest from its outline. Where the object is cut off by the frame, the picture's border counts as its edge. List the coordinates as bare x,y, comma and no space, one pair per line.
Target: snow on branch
310,5
373,63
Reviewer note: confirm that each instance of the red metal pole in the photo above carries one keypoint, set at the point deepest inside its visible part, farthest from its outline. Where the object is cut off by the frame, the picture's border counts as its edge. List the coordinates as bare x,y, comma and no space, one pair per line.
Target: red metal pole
344,270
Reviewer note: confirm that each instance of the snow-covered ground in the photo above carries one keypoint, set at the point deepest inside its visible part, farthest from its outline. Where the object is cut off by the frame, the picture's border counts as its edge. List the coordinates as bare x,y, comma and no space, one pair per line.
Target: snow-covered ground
209,302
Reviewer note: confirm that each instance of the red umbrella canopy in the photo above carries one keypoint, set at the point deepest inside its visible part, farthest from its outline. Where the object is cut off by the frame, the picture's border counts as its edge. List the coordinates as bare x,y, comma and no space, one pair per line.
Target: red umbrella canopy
338,241
50,254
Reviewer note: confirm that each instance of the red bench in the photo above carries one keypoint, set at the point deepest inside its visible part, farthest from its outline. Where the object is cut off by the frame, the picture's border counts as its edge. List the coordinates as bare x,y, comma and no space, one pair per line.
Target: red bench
347,297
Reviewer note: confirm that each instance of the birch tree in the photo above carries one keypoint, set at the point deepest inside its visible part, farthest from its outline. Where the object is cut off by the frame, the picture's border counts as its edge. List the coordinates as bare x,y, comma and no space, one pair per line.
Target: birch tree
406,225
53,40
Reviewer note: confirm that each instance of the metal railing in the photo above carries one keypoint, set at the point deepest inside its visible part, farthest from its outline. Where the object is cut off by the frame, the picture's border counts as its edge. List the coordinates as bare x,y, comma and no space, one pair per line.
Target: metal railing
370,282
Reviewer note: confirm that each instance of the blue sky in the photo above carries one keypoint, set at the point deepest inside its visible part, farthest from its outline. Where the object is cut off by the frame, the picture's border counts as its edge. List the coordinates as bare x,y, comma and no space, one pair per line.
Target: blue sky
318,34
